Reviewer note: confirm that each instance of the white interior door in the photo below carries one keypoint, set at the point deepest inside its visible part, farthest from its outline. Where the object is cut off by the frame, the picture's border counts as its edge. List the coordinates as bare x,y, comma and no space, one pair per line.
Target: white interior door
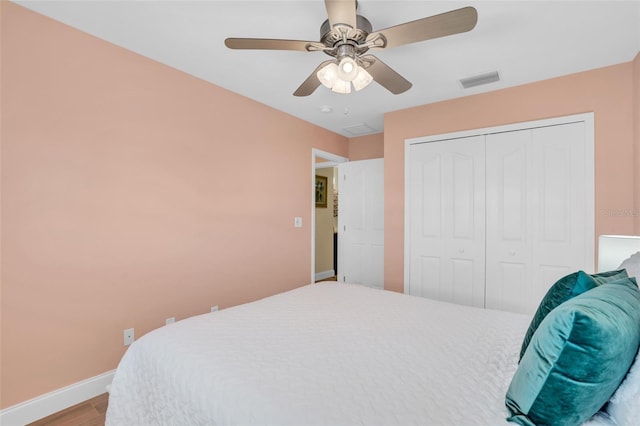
446,216
361,222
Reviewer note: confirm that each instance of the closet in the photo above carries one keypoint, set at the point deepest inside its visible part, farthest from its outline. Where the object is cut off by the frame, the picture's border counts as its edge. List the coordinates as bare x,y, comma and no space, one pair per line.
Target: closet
493,217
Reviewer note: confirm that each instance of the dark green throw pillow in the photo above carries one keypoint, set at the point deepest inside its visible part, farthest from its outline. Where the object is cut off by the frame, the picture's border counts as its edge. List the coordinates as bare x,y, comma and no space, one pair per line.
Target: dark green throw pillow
564,289
578,356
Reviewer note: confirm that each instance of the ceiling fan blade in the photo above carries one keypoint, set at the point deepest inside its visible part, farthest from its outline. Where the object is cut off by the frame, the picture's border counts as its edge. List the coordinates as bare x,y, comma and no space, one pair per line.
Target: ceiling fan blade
341,12
448,23
311,83
385,75
273,44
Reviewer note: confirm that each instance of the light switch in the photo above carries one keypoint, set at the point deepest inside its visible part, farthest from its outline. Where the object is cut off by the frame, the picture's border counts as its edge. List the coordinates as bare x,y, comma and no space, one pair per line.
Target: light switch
297,222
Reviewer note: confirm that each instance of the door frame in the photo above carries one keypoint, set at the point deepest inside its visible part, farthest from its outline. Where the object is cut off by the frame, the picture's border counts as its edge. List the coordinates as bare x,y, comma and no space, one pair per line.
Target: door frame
586,118
331,161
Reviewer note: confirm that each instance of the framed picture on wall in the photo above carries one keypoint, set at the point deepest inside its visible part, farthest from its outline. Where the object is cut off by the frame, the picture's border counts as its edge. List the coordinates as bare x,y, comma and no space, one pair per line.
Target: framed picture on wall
321,191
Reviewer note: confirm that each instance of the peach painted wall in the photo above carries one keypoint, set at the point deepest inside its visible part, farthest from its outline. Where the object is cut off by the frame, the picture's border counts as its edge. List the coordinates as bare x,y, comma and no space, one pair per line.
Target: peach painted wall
132,192
606,91
366,147
636,120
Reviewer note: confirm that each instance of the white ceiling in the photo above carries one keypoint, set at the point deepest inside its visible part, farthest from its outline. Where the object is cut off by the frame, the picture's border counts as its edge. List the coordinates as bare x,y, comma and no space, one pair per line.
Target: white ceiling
524,41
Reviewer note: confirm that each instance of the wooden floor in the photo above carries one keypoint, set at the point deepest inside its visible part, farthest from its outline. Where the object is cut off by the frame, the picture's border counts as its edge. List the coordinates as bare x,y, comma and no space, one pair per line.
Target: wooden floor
334,278
88,413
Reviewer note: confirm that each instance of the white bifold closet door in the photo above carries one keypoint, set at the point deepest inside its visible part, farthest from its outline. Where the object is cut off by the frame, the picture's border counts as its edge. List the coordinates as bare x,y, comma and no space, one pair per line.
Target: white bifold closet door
536,204
495,219
447,207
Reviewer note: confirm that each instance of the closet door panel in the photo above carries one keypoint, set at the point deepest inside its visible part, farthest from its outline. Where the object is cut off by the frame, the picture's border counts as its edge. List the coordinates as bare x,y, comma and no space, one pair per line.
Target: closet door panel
560,225
430,208
509,219
463,283
446,204
426,206
464,219
425,277
426,243
506,292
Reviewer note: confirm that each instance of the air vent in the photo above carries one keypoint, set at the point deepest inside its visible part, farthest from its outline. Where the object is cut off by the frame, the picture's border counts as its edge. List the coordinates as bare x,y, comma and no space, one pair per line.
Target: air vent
359,129
480,79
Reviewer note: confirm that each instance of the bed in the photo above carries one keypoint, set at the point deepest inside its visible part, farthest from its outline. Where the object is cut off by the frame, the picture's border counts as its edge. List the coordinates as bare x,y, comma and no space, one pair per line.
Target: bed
326,354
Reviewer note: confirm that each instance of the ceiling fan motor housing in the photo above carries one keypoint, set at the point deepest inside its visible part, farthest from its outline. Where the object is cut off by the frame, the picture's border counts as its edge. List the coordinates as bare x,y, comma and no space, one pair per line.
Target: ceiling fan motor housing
341,35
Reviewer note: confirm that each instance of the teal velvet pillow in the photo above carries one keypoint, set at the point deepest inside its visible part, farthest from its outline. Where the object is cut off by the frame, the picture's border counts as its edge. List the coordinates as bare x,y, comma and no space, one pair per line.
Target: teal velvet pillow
564,289
578,356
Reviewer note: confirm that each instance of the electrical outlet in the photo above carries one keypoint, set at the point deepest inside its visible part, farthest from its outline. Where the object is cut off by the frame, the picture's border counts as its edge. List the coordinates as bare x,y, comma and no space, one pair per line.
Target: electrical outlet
129,336
170,320
214,308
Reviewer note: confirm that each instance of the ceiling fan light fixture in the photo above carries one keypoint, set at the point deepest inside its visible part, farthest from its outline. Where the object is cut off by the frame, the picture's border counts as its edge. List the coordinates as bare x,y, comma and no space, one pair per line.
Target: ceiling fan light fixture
347,69
362,80
328,75
342,86
347,36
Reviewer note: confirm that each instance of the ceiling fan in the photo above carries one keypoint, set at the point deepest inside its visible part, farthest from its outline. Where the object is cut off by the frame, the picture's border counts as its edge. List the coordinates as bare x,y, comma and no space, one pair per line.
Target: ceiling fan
347,37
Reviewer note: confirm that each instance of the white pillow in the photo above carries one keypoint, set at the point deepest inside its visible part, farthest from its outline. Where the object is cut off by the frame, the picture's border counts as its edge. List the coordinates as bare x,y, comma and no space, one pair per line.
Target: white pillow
624,405
632,265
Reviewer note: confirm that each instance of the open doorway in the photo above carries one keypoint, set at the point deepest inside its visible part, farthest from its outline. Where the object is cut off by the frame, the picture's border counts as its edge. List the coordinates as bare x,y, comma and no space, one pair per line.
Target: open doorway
326,228
324,213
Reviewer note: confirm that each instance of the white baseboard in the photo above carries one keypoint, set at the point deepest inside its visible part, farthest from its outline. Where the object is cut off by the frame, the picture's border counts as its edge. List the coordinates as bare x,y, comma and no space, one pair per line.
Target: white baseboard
52,402
324,274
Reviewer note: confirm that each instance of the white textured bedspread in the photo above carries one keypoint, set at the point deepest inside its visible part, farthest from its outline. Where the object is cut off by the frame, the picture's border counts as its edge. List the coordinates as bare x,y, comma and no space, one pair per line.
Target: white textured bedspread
330,354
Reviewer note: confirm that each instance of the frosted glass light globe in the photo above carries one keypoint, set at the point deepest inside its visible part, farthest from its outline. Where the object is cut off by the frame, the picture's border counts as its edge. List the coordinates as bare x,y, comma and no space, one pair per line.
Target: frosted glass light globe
347,69
328,75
